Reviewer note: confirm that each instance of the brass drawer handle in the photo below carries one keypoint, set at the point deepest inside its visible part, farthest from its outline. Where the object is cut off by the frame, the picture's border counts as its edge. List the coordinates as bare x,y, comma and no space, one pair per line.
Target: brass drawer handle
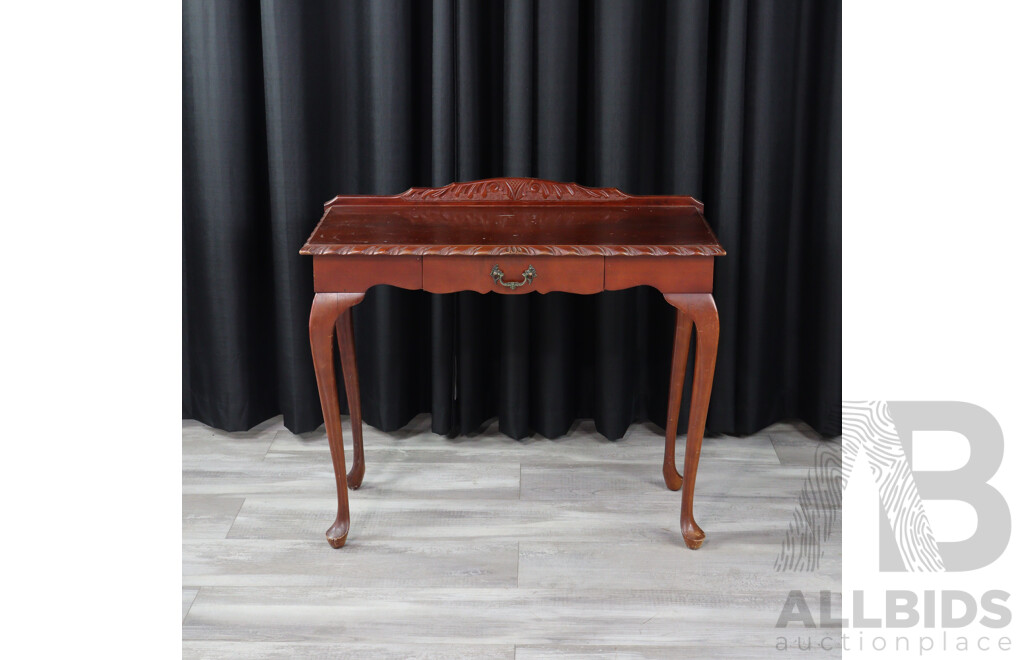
497,274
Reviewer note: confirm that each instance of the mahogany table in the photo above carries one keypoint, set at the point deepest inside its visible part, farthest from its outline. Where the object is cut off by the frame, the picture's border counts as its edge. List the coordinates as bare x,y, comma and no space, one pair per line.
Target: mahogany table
511,237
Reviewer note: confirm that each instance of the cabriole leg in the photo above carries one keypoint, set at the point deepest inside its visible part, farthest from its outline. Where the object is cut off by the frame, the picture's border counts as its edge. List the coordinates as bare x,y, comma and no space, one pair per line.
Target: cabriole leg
327,307
700,308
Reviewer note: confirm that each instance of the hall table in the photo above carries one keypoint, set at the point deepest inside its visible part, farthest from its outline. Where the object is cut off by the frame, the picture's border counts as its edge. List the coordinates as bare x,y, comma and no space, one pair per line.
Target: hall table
513,236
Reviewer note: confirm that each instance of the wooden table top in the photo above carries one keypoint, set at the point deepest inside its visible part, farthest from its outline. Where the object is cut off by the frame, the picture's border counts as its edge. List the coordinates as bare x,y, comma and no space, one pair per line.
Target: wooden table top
513,216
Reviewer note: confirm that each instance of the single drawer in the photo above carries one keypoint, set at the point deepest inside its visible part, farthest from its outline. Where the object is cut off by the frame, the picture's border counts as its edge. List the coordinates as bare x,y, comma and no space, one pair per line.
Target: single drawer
513,274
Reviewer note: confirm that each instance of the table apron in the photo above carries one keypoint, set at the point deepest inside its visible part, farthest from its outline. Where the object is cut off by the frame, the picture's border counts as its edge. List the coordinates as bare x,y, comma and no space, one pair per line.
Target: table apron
357,273
667,274
576,274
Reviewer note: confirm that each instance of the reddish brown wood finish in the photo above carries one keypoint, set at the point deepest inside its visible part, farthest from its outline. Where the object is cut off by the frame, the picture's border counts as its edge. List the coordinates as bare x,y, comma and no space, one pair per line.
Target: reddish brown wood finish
355,274
680,350
676,274
347,353
543,236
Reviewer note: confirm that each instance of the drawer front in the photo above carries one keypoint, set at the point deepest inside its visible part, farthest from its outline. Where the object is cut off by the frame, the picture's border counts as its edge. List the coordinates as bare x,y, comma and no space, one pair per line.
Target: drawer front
513,274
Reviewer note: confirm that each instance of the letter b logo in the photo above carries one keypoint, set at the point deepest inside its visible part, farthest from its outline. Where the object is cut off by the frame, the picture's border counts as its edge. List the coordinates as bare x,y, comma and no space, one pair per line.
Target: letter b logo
883,431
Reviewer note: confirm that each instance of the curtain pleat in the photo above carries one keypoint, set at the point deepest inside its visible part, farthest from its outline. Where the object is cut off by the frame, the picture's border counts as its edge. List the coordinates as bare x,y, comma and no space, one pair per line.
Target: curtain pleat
287,104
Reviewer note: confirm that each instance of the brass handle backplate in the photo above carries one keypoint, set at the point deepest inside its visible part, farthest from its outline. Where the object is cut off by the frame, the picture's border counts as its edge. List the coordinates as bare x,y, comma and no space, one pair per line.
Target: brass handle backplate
497,274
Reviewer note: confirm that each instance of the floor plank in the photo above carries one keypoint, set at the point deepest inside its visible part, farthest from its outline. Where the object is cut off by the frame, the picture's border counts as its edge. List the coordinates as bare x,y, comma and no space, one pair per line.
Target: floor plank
701,615
245,562
633,652
271,477
352,651
741,566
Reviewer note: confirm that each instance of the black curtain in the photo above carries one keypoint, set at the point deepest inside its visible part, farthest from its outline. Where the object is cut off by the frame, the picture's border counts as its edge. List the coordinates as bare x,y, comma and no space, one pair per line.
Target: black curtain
287,104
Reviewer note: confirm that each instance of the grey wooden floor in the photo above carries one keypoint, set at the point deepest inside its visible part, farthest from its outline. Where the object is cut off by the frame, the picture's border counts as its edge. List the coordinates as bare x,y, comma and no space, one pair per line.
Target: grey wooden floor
487,547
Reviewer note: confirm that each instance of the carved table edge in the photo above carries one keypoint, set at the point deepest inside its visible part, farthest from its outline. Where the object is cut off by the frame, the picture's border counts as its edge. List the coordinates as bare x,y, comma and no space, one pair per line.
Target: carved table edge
336,249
